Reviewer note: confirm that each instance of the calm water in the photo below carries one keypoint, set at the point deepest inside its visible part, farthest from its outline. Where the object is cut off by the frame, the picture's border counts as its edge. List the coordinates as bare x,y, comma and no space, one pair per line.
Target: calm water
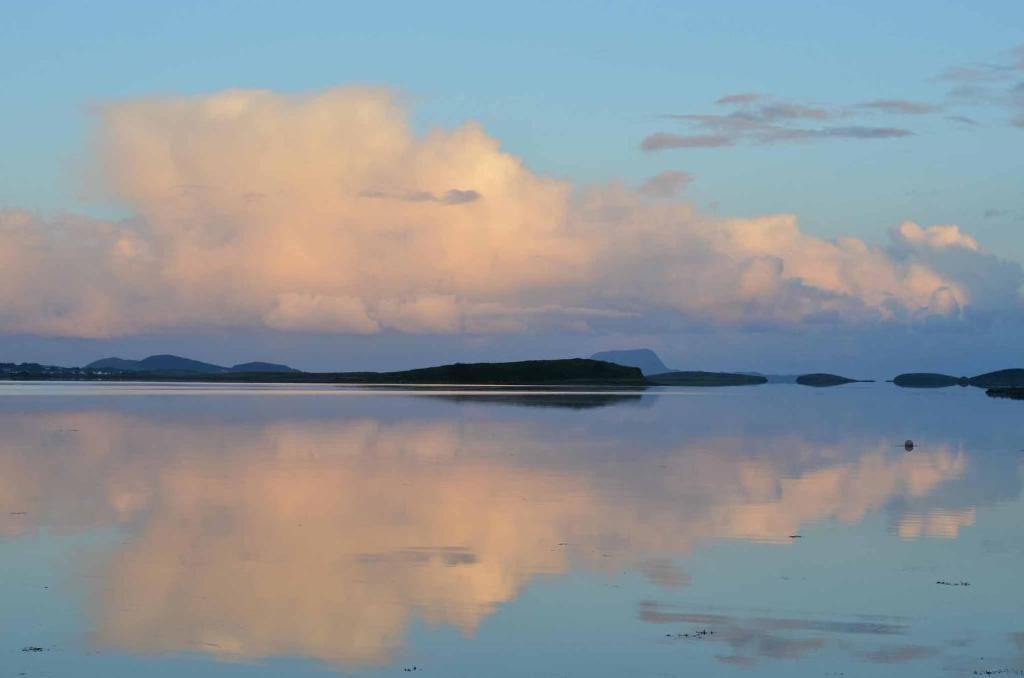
776,530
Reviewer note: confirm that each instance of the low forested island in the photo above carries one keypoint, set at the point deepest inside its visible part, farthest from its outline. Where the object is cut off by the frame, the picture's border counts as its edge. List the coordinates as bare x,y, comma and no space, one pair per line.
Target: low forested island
822,379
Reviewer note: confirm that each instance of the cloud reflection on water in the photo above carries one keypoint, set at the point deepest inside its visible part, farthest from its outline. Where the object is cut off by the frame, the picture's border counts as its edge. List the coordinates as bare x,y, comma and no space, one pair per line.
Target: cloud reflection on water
325,538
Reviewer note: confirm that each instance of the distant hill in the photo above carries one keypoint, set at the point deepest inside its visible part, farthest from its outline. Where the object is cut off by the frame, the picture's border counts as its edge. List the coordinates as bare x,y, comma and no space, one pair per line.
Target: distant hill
680,378
1011,378
173,363
261,367
644,358
114,364
157,363
822,379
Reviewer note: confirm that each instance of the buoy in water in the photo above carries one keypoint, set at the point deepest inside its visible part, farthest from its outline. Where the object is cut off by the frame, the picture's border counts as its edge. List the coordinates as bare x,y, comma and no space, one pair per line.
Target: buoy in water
908,445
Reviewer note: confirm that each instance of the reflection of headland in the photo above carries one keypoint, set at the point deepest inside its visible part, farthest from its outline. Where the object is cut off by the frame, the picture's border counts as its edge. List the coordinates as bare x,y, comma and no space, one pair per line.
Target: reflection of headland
562,399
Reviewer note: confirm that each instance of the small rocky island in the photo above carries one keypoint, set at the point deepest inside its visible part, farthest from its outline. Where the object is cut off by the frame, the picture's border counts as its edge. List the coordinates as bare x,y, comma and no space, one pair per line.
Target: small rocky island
823,379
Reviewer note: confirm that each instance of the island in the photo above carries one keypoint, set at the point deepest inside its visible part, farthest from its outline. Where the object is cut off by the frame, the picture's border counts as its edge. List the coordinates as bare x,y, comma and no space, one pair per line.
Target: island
929,380
824,379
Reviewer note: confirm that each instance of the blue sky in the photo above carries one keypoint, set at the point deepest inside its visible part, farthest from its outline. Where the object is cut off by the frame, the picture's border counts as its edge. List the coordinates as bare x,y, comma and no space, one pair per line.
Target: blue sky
572,88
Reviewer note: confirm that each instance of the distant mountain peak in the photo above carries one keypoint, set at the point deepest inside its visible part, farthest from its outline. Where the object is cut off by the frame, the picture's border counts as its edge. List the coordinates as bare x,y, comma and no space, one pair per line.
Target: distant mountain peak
644,358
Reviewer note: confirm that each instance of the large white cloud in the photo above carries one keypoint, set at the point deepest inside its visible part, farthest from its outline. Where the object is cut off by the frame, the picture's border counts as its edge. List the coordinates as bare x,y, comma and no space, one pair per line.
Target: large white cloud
326,213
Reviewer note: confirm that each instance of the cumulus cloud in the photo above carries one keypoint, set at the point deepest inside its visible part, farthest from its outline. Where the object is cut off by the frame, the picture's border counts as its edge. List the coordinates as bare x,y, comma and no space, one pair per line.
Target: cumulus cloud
326,213
935,237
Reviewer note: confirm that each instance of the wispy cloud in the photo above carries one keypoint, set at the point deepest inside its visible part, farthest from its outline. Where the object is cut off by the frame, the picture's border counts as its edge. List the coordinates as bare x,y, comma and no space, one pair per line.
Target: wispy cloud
999,84
757,119
662,140
665,184
962,120
739,98
900,106
1009,66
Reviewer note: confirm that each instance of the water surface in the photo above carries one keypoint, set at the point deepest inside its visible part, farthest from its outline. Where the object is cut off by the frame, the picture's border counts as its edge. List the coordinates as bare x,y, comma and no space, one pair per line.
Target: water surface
218,530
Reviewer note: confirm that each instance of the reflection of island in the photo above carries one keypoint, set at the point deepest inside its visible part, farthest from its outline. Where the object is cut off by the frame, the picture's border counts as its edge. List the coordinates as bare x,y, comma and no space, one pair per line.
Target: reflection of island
698,378
822,379
1011,393
324,538
559,399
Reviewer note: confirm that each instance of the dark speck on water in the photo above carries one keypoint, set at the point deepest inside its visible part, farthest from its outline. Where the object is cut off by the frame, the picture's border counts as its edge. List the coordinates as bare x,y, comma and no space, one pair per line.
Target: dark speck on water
908,445
694,635
33,648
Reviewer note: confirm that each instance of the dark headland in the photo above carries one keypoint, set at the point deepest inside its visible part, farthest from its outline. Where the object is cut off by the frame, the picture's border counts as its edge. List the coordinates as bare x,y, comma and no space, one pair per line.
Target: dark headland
1000,379
644,358
572,372
657,373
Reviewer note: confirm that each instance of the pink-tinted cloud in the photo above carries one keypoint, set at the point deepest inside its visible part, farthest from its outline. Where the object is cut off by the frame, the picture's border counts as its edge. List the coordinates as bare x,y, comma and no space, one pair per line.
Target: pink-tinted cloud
665,184
326,213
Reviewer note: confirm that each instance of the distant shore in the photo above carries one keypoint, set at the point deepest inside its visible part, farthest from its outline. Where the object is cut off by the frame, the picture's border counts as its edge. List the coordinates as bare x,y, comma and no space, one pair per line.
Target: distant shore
569,372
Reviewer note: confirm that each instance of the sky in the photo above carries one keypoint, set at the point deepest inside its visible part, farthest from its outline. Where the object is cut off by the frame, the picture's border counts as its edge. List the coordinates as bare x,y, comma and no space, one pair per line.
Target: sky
738,185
